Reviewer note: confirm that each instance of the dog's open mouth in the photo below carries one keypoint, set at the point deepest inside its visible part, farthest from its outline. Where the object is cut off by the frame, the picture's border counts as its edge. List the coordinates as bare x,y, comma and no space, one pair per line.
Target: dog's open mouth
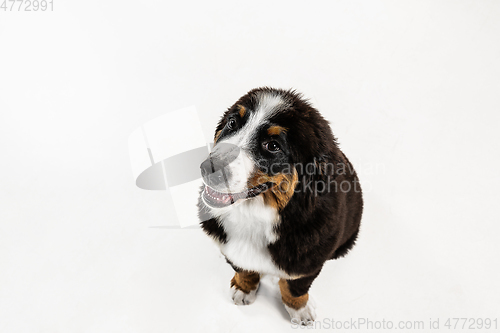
218,199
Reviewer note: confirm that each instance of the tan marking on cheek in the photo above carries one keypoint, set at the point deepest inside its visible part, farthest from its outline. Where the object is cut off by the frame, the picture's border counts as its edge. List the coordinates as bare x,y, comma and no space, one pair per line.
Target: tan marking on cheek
275,130
242,110
217,135
281,192
287,298
245,281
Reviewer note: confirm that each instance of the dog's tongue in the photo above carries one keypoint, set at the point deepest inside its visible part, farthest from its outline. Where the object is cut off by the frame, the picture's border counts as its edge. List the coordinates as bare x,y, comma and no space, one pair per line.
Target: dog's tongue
217,199
220,198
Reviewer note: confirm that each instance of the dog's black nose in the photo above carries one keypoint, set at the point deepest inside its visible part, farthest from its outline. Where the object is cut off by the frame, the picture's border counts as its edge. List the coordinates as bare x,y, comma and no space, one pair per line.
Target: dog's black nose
206,167
212,171
215,169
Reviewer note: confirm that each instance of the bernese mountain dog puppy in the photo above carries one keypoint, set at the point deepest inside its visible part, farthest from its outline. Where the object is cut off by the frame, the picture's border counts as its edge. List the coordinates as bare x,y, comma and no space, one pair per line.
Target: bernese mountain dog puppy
279,196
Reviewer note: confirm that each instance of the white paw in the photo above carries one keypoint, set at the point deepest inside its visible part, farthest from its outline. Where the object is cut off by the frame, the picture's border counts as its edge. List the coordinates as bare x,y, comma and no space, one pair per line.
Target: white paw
304,316
241,298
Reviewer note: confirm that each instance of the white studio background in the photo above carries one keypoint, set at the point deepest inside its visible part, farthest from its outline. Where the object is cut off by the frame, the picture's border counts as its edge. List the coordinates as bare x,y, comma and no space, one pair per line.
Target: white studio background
412,92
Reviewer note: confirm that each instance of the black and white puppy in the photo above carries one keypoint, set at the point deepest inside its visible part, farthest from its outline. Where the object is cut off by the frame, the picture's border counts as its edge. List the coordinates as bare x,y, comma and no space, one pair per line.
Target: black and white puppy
279,197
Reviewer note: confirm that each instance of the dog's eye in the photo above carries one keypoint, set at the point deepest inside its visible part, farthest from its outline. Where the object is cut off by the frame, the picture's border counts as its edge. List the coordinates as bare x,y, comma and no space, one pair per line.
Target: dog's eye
272,146
231,124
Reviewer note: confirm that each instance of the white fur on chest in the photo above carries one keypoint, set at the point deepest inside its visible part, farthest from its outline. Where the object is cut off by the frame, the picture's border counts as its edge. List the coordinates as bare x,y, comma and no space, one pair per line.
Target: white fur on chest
250,229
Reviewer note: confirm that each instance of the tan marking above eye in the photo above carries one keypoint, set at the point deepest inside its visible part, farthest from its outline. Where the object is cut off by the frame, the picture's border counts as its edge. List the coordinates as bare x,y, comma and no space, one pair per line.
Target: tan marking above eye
275,130
217,135
242,110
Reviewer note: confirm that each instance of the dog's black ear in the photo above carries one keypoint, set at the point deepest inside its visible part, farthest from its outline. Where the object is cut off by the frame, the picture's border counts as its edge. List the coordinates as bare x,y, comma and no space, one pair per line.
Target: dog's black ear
332,165
317,177
324,168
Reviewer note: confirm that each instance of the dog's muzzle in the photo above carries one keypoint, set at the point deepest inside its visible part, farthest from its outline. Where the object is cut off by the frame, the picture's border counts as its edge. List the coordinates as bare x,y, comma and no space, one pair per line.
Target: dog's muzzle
215,169
217,175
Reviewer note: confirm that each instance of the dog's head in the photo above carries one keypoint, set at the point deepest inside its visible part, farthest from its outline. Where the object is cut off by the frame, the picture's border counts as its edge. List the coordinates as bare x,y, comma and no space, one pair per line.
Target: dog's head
267,144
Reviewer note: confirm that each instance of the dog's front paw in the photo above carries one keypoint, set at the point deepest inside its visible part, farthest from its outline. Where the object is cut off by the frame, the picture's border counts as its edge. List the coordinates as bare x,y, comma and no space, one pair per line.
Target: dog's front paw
241,298
304,316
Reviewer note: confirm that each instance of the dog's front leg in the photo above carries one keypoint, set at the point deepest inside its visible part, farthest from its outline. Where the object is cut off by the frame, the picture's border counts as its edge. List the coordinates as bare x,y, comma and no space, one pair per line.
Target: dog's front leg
244,287
295,297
